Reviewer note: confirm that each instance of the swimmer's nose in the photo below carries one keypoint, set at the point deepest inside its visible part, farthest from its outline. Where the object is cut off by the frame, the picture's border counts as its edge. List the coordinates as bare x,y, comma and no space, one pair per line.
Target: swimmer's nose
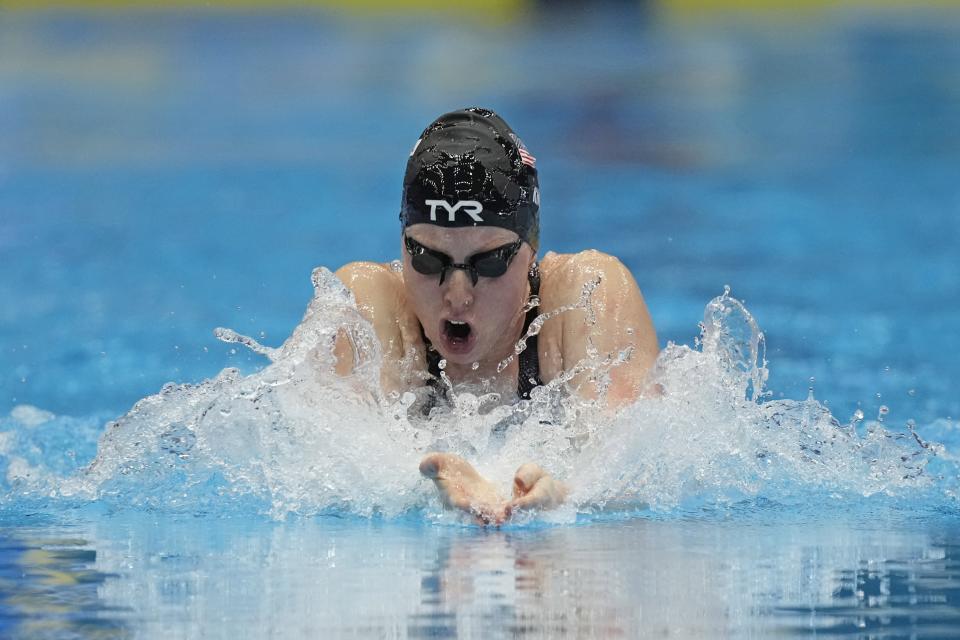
458,290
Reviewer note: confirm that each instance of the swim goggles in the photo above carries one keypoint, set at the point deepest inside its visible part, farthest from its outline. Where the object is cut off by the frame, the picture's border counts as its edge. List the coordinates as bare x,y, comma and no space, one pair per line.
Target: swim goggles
489,264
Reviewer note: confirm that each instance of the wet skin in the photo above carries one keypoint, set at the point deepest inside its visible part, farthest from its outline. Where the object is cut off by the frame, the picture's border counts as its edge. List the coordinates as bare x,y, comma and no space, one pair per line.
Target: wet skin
398,304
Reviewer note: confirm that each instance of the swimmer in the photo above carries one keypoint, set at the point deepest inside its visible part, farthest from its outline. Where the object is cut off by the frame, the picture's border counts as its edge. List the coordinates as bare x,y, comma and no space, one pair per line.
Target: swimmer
470,287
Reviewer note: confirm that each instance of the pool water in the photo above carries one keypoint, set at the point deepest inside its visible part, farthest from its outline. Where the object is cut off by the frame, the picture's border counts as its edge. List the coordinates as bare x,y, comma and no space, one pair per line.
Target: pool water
152,576
163,174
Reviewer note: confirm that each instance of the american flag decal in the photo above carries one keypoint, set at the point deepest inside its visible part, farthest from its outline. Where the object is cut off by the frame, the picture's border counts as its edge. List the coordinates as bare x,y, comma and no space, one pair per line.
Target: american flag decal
526,157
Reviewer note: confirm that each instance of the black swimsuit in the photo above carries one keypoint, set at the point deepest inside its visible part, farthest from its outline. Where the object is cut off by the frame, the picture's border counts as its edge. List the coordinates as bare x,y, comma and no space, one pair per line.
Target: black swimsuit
529,376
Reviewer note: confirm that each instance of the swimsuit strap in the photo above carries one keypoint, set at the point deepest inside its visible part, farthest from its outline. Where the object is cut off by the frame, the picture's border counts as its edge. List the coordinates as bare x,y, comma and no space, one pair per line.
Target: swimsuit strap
529,376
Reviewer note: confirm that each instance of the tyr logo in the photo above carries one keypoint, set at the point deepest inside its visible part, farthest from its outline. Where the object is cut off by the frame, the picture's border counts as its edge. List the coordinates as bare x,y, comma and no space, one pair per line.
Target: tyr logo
471,207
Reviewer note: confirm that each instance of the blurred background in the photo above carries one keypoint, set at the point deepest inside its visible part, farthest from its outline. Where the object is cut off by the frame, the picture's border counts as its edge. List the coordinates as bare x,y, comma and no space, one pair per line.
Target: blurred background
167,168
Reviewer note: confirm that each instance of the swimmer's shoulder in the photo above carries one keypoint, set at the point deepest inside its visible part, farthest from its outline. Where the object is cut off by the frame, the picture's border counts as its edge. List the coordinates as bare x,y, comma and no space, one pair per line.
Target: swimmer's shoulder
372,283
562,278
564,337
378,289
563,275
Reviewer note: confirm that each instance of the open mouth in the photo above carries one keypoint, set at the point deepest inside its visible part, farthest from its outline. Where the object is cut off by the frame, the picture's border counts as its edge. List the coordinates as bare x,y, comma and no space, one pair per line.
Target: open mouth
457,333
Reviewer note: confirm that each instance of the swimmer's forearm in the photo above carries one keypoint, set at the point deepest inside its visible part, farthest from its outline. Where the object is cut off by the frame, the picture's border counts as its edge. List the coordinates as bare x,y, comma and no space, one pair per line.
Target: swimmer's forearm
343,354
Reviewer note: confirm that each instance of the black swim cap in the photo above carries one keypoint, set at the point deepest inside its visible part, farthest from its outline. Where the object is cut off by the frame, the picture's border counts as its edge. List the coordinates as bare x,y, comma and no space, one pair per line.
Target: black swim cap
470,169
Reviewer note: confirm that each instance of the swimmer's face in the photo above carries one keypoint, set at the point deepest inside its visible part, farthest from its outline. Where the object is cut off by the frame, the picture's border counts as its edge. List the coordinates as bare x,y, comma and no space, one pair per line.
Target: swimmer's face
468,323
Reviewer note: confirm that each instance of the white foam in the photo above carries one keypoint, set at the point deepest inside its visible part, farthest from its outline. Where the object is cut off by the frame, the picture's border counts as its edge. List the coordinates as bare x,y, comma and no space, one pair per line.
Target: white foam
30,416
6,442
21,472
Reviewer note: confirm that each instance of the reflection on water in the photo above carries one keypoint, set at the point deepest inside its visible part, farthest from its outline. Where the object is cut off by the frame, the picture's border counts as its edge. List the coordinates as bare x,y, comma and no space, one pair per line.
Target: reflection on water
884,596
537,583
49,588
127,576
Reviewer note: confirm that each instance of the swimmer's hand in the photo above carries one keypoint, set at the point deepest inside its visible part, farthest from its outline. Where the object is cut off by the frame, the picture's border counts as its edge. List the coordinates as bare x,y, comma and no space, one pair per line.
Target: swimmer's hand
534,489
461,487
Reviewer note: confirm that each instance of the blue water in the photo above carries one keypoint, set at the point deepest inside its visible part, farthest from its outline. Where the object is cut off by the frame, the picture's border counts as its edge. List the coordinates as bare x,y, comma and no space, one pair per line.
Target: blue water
164,174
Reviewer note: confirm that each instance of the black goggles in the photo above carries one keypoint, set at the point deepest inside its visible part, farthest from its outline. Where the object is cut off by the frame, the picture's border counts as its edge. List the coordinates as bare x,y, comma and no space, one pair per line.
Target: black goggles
489,264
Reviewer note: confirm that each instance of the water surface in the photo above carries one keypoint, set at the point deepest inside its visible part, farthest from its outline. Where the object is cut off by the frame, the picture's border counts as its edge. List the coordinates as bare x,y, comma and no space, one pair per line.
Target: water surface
167,173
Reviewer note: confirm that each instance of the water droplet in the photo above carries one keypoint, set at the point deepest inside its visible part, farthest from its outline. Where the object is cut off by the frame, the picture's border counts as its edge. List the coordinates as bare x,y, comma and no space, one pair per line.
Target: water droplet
882,411
911,392
442,364
532,303
475,366
233,352
857,415
726,290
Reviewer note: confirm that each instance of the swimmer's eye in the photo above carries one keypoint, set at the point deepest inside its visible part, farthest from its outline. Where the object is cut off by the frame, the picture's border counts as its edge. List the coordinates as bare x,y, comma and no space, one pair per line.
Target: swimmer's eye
424,260
489,264
494,263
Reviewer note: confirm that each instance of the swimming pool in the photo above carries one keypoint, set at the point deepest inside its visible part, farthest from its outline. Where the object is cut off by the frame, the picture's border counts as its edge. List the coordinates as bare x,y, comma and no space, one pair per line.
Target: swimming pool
167,173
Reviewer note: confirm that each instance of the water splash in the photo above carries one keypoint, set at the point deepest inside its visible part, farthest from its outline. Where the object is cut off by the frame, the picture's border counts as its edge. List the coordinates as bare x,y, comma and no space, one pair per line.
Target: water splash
231,336
296,438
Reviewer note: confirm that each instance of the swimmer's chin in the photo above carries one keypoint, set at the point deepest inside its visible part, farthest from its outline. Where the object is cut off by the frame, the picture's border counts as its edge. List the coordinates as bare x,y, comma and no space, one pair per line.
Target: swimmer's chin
460,359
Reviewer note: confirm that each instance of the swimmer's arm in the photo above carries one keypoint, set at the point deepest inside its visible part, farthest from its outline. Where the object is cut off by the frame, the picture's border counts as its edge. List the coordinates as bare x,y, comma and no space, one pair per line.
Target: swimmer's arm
620,321
376,290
